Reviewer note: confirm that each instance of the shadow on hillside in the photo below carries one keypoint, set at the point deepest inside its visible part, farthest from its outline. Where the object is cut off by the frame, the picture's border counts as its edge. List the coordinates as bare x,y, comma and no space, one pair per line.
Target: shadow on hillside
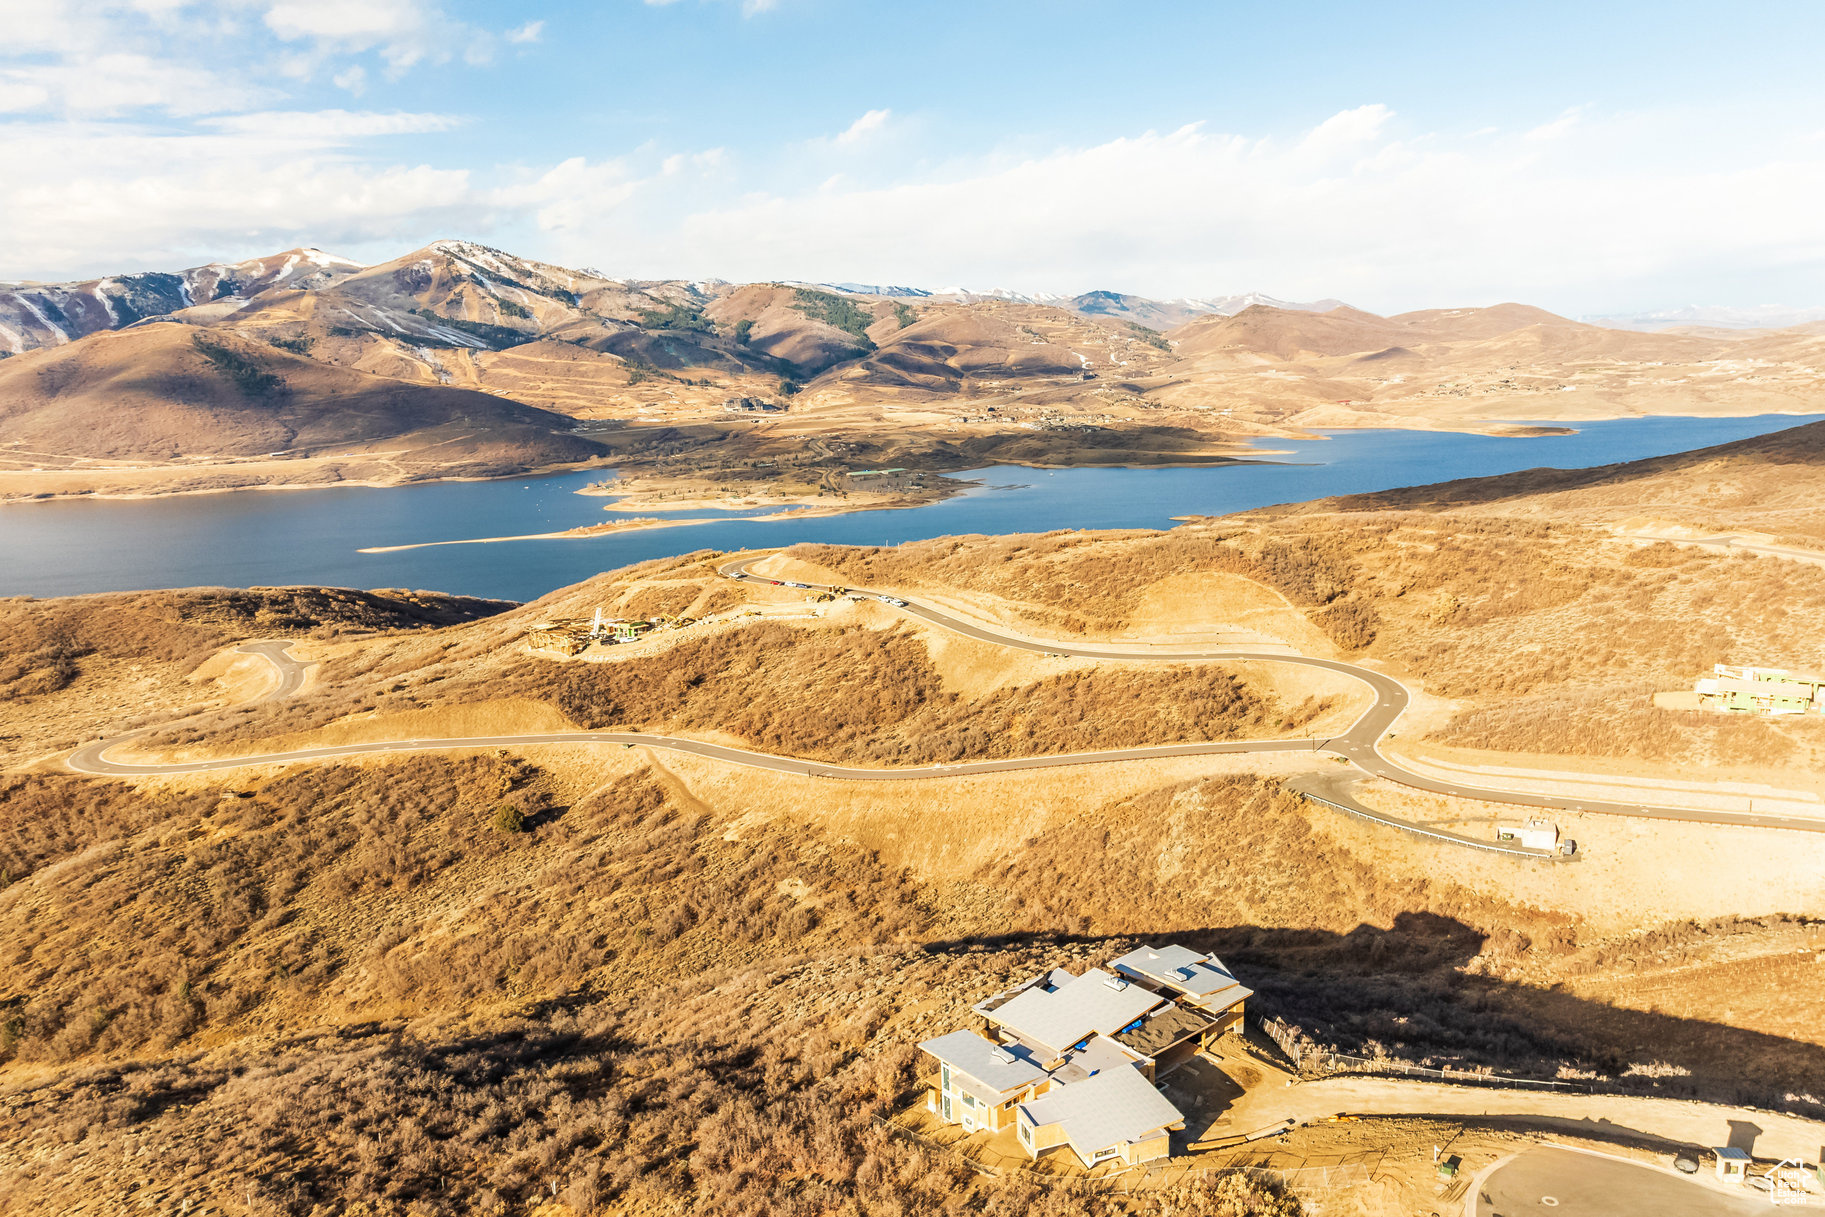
1405,992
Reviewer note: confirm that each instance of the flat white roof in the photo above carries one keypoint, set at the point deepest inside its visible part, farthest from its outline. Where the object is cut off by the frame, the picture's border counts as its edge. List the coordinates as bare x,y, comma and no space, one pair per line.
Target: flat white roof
1103,1110
1186,970
1001,1070
1096,1001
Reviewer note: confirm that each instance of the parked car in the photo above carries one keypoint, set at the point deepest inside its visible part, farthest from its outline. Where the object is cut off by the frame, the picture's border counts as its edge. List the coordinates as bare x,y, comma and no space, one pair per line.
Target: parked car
895,601
800,585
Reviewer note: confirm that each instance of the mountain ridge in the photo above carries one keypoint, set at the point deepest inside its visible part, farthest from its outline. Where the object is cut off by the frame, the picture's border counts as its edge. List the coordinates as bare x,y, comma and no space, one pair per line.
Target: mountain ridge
790,383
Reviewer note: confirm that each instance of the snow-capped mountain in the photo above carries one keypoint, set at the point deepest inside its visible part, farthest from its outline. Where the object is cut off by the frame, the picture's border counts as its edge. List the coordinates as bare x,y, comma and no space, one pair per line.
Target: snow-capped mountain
50,314
967,296
876,289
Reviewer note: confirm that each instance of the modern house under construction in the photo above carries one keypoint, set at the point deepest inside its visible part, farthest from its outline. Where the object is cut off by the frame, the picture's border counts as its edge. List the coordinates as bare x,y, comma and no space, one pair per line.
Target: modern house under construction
1075,1060
576,636
1745,690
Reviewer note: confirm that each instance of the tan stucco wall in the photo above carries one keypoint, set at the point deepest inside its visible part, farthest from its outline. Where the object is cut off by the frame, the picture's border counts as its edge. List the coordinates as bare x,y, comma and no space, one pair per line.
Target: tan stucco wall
1147,1151
1046,1136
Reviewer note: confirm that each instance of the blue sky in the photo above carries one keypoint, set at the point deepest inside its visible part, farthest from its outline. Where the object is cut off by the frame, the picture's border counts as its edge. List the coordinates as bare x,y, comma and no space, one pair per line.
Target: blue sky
1588,158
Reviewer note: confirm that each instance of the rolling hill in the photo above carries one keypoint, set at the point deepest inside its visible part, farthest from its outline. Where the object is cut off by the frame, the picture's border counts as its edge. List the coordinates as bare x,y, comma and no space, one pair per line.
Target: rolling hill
1169,314
169,392
1475,368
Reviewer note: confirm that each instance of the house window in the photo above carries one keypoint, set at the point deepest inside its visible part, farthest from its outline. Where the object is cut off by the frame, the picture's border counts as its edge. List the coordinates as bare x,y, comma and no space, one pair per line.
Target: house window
968,1100
945,1105
1026,1134
946,1074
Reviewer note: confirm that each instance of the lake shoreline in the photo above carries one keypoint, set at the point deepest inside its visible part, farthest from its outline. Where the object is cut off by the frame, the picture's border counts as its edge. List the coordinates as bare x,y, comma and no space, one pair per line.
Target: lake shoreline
315,540
15,491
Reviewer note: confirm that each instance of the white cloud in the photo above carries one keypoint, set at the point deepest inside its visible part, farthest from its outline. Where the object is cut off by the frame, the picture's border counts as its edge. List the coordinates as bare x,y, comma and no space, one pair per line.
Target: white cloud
149,133
1354,207
355,24
402,32
1349,131
571,196
1558,127
119,83
84,58
16,95
864,127
88,198
1608,210
329,126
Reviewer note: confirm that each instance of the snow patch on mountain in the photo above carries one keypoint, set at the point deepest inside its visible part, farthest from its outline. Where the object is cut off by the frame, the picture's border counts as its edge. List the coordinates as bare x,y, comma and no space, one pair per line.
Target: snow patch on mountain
969,296
61,336
876,289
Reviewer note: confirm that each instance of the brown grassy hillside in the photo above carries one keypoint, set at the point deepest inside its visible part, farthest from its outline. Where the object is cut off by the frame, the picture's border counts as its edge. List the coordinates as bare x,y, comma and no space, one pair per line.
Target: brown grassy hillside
1550,639
169,391
650,999
858,687
1474,367
82,666
391,1004
599,979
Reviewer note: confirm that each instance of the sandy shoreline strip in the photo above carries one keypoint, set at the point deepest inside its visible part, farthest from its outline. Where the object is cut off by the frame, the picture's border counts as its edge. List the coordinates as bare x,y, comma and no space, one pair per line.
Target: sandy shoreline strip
567,534
638,525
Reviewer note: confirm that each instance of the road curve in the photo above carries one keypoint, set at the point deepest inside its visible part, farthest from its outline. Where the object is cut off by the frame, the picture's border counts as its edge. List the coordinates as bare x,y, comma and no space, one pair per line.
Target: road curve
1359,744
289,675
290,671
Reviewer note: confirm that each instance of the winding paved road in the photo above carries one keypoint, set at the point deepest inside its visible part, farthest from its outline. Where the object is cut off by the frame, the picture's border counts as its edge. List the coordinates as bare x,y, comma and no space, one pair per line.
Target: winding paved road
1359,744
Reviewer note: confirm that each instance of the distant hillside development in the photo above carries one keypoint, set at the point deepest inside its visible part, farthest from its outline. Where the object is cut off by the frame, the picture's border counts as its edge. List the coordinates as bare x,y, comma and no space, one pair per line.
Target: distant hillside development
658,371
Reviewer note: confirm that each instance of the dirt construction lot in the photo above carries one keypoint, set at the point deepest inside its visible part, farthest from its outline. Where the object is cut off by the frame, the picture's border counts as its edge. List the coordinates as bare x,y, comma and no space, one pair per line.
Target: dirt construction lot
1765,1134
